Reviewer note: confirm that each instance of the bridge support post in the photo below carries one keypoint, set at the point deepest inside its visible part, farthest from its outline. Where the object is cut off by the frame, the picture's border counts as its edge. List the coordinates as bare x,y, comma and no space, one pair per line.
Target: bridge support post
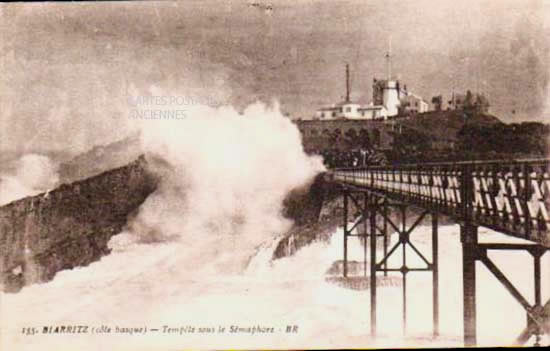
345,268
385,234
538,302
468,236
435,275
470,193
404,238
373,268
366,225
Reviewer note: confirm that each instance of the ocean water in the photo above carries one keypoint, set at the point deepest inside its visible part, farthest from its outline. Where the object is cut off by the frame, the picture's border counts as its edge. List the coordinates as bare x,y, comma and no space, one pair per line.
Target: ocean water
194,269
150,286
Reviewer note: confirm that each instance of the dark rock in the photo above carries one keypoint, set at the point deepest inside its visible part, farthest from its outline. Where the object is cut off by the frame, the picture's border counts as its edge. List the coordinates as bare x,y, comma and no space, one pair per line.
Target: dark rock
317,212
304,206
69,226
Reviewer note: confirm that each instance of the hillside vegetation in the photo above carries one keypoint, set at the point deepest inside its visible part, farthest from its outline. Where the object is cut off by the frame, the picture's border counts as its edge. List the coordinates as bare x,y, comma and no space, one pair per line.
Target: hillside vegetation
457,135
446,124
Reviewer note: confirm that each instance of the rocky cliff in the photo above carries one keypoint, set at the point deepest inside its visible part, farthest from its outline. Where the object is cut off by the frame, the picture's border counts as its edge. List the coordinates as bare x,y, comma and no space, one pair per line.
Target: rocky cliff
99,159
69,226
317,212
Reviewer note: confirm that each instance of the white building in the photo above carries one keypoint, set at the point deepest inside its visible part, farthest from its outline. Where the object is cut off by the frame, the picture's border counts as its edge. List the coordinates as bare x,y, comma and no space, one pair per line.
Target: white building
351,110
373,112
389,98
392,97
388,93
346,109
414,104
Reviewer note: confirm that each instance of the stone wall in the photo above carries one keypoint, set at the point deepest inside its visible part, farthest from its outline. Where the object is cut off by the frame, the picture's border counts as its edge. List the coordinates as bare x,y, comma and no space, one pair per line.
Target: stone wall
69,226
316,134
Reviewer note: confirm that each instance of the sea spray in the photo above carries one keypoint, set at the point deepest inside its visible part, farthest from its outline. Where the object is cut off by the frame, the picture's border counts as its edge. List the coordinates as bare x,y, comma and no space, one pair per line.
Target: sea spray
31,175
224,177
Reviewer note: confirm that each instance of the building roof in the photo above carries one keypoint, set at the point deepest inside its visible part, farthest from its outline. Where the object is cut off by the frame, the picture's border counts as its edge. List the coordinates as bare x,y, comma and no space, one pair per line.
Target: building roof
371,107
343,103
338,106
414,96
328,108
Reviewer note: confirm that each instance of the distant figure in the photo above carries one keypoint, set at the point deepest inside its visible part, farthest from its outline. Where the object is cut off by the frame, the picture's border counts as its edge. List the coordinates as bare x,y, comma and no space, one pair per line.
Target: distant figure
363,157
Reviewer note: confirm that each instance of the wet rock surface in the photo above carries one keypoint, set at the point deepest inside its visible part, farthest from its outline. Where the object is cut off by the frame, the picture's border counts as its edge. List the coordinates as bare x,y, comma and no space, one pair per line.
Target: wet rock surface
69,226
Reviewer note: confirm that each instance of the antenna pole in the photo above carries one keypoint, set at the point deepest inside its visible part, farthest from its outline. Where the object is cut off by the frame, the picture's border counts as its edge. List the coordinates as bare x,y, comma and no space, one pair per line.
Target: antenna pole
388,60
347,83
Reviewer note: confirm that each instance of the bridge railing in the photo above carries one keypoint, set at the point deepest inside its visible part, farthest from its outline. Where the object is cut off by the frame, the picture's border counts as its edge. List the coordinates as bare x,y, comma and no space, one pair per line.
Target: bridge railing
508,196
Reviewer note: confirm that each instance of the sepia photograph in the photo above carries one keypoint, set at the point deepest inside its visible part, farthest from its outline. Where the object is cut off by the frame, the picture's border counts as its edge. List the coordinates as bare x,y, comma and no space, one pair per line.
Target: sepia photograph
274,174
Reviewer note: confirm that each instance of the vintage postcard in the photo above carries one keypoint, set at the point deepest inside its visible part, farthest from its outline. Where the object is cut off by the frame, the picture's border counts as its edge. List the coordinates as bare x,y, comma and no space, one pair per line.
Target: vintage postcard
280,174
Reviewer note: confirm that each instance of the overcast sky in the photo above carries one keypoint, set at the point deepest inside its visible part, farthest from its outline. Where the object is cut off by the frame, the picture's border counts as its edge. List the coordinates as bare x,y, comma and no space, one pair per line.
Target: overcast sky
67,69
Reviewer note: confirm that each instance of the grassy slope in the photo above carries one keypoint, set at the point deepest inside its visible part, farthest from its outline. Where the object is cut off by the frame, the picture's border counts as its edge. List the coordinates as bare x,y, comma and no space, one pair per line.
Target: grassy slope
445,125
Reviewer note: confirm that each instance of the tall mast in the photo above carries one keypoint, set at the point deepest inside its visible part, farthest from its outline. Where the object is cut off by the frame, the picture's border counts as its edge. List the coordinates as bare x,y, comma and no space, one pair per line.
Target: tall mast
347,83
388,60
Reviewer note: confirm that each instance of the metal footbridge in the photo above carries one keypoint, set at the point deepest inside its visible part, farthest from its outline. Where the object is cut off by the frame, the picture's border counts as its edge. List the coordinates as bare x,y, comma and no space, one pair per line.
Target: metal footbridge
510,197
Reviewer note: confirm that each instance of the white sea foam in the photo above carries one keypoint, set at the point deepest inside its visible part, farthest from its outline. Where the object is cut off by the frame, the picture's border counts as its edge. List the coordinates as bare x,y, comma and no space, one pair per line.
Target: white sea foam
182,263
32,175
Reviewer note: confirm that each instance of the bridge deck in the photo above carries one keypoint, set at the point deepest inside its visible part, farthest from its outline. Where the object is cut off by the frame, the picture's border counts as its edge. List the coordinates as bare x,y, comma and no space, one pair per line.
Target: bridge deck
512,197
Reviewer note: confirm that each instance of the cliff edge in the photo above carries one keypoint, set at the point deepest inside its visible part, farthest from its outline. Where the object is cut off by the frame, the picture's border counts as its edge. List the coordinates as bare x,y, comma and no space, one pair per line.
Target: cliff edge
69,226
